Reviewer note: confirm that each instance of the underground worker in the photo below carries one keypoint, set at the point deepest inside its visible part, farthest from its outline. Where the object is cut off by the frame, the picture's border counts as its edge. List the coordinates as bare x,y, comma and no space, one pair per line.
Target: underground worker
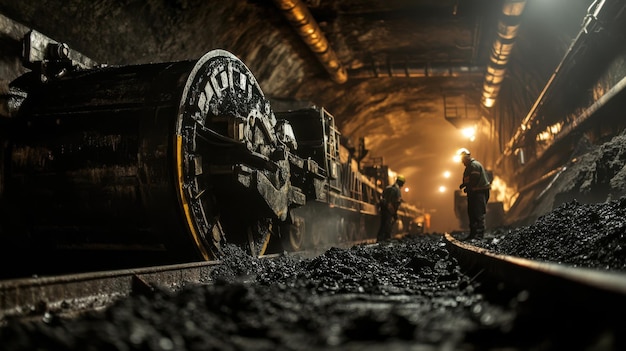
476,185
389,203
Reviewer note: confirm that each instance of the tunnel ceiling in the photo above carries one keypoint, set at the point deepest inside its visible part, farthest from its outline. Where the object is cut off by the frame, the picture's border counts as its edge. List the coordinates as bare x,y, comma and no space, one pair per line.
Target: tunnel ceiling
401,58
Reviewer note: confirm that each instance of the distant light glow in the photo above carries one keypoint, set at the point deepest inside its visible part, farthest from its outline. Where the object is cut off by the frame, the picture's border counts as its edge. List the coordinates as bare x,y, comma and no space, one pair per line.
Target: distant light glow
550,132
406,190
469,132
446,174
442,189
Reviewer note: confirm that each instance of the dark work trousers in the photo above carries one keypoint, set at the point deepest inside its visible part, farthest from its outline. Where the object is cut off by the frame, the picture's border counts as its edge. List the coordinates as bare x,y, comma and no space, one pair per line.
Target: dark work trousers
386,224
476,210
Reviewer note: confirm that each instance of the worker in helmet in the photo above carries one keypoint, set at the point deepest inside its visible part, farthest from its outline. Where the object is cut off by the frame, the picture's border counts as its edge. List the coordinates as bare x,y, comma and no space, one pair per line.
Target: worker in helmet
389,204
477,185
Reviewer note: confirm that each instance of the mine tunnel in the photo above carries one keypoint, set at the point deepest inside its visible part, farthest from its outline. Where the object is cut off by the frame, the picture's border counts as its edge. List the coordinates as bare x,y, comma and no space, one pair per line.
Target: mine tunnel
534,84
275,124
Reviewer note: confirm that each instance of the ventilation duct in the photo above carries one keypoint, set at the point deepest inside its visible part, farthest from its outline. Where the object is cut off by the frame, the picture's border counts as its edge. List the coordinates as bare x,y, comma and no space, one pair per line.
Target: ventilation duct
303,22
501,50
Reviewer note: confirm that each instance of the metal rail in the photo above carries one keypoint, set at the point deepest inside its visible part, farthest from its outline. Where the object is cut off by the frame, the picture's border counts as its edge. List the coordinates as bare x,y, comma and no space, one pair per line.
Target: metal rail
74,293
547,283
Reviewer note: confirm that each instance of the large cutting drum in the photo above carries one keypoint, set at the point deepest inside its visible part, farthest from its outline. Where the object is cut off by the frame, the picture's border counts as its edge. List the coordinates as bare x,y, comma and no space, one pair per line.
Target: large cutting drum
177,155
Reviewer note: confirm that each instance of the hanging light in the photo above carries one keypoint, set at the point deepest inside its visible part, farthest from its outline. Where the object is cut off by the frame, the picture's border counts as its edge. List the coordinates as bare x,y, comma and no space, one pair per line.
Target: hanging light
469,132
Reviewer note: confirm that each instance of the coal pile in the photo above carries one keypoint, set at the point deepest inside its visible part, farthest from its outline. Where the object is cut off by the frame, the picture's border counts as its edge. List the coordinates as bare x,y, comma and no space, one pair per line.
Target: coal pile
575,234
594,174
395,294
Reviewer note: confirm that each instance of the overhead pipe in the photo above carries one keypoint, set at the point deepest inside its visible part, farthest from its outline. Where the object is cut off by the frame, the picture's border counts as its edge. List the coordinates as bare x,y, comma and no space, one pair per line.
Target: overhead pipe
508,26
415,70
303,22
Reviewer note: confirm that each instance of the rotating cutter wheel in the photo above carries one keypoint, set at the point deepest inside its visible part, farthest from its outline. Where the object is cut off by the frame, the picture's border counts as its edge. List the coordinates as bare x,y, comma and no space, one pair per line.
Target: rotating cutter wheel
233,174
